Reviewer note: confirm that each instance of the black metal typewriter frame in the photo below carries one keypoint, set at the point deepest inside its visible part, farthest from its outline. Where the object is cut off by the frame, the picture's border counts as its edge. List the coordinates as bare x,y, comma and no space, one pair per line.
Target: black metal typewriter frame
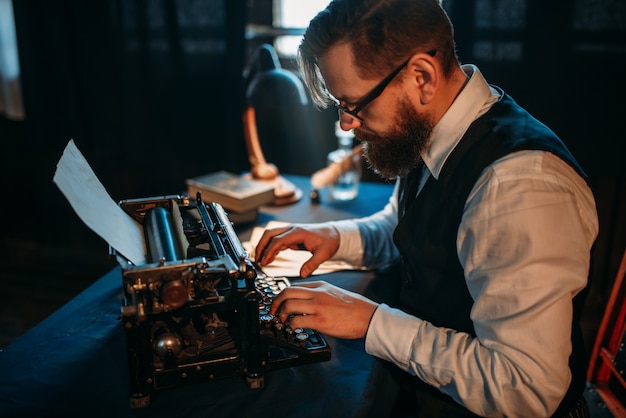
217,262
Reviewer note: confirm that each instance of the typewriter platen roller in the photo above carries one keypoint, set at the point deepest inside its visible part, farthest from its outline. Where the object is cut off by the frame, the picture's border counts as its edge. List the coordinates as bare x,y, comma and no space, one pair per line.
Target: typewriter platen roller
198,309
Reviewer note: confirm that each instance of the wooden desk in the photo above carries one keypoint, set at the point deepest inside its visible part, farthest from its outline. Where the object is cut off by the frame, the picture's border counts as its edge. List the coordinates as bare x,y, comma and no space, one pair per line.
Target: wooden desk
73,364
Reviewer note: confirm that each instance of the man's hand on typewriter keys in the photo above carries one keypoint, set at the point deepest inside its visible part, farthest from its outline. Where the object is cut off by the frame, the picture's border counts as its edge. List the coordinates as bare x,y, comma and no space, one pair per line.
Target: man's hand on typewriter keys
325,308
316,305
322,241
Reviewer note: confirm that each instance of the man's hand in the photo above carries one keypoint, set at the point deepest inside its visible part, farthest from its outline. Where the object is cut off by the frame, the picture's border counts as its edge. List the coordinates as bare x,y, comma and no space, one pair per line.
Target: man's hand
325,308
322,241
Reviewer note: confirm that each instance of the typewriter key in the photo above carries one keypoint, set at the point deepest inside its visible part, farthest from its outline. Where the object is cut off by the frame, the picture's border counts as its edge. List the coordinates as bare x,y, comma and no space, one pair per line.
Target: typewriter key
267,317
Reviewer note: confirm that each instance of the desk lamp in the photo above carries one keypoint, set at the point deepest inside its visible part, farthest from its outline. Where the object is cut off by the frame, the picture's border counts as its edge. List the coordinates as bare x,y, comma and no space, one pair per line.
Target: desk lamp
277,92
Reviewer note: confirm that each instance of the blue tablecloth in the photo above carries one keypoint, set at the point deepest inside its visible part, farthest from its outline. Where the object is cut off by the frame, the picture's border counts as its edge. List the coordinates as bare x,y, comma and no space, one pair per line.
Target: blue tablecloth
73,364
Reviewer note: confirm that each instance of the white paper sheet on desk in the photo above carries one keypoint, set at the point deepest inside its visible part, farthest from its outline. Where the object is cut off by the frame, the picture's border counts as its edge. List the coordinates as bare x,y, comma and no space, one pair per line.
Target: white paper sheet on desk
288,262
95,207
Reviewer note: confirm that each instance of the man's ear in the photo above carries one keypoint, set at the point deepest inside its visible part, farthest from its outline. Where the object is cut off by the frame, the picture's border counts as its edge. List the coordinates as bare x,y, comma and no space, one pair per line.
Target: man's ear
424,70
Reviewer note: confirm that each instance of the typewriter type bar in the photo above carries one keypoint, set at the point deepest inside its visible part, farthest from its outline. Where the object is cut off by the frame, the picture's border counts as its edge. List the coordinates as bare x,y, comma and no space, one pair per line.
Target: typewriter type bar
198,308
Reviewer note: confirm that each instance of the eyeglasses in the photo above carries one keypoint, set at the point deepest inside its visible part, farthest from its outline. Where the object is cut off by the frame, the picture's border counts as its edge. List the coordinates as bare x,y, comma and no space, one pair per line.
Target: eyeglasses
375,92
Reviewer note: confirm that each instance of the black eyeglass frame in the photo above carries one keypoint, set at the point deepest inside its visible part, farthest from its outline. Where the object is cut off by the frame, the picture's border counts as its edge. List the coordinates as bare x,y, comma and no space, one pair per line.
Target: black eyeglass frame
375,92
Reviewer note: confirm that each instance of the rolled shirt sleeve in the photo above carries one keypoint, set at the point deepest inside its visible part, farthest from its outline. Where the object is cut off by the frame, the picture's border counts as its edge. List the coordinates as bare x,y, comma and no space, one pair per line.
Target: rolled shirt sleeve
368,241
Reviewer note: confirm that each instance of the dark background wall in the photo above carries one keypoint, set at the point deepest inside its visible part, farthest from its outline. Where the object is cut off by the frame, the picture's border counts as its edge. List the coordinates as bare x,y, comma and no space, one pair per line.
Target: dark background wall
152,92
563,61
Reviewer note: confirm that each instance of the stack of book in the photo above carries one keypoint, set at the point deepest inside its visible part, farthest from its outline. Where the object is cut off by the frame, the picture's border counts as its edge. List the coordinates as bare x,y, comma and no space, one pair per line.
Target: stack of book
241,197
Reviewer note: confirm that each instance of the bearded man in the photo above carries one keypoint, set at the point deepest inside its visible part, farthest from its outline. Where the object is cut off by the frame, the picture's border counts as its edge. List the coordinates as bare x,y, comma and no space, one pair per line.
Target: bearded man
491,222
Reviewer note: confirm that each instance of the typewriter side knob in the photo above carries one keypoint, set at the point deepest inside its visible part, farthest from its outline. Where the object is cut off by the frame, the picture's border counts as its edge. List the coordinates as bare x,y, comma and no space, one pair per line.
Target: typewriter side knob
174,294
168,345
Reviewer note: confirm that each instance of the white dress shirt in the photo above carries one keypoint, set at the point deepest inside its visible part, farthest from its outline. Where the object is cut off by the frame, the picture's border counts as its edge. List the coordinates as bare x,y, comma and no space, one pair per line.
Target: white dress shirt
524,243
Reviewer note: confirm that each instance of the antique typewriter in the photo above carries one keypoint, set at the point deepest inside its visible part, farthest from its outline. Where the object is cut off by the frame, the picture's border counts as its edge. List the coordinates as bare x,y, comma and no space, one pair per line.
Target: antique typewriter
198,309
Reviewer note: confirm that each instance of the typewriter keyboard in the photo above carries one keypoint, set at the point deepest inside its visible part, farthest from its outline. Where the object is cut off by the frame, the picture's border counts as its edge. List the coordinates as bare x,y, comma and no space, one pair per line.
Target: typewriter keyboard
269,287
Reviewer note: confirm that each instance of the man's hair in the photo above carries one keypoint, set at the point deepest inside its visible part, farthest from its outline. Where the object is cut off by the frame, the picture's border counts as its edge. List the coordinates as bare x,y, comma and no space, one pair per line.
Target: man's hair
381,34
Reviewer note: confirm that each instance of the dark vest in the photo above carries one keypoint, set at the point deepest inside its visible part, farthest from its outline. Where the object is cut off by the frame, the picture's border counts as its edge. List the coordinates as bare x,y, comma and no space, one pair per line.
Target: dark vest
433,286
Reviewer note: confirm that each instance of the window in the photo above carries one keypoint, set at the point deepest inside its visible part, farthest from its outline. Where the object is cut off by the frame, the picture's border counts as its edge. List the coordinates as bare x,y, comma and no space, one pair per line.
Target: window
10,81
294,15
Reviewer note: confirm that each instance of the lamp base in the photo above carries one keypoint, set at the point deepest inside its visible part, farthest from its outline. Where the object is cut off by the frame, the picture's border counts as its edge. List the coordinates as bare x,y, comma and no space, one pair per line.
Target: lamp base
285,192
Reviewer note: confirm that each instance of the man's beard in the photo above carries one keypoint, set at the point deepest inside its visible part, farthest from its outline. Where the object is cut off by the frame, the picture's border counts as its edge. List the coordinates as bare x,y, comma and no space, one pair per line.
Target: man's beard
398,151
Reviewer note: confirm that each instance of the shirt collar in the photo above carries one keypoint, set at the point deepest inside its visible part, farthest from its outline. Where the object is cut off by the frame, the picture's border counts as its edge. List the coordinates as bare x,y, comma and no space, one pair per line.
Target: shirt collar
474,100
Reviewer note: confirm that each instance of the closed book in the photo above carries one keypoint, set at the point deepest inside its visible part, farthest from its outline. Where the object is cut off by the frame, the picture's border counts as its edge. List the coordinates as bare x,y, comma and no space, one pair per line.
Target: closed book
234,192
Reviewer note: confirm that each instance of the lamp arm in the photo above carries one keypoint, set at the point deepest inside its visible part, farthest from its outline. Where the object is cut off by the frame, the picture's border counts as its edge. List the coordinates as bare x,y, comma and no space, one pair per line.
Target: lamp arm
260,169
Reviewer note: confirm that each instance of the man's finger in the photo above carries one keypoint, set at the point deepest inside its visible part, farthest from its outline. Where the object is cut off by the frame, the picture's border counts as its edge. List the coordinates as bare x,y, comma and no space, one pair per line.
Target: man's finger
317,258
266,239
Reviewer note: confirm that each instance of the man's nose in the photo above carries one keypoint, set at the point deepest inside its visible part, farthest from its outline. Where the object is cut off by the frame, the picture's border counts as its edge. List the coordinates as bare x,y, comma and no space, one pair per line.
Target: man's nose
347,121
